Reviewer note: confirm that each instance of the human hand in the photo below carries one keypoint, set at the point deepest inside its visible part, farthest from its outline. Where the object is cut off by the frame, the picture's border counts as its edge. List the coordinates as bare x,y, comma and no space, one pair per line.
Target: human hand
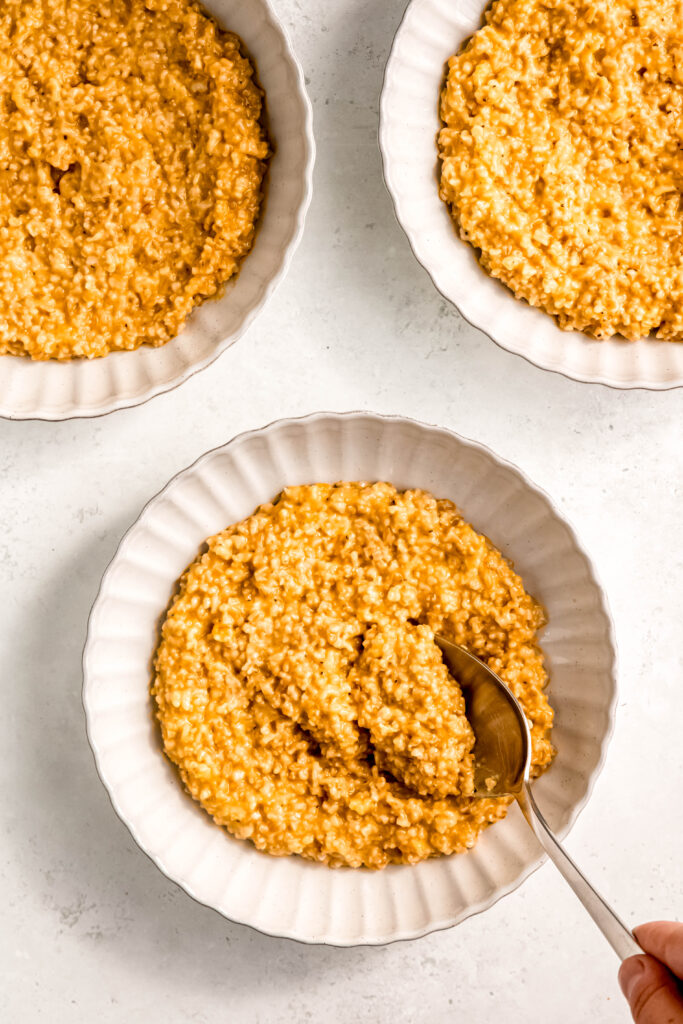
652,983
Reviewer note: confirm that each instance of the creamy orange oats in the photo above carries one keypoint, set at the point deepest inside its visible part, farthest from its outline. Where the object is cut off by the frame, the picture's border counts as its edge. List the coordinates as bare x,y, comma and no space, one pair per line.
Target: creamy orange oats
299,689
562,159
131,163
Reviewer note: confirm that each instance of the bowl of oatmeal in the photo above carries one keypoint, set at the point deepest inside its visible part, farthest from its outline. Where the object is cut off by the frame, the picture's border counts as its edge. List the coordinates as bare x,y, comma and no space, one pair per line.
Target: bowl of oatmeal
156,173
260,675
534,163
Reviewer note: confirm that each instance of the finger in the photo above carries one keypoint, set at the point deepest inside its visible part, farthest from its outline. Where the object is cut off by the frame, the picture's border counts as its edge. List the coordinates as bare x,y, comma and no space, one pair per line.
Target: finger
651,991
663,939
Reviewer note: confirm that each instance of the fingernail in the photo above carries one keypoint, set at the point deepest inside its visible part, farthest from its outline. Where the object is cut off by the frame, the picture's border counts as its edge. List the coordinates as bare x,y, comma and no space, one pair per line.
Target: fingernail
630,973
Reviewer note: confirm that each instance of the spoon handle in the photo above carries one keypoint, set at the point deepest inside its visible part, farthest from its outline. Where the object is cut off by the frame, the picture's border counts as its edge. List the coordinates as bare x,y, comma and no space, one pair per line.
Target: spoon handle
615,931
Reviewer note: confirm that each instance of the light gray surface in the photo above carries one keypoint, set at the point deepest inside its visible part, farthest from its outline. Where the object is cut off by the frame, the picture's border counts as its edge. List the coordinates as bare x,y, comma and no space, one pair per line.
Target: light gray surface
90,930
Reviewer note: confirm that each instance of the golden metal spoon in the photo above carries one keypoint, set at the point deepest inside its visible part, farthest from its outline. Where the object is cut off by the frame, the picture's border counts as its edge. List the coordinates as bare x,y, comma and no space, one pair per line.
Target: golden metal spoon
502,758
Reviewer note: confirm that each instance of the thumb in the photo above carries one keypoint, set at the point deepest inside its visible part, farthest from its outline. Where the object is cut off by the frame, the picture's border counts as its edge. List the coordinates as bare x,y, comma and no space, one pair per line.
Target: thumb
651,991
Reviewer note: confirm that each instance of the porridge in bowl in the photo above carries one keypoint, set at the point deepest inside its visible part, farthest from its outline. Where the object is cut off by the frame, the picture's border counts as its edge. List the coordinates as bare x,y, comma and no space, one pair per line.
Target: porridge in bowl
562,159
299,689
132,157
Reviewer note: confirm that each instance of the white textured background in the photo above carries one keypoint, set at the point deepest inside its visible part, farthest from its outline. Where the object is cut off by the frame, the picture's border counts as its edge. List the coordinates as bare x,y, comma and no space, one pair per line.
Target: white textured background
90,930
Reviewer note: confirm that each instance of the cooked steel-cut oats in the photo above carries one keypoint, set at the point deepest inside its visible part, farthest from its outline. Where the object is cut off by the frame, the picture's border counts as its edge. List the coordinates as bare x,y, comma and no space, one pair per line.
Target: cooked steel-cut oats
131,164
299,689
562,159
414,711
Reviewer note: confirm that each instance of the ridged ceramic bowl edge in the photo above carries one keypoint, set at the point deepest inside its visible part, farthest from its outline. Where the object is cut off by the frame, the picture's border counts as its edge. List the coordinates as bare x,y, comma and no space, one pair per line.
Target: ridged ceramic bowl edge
435,434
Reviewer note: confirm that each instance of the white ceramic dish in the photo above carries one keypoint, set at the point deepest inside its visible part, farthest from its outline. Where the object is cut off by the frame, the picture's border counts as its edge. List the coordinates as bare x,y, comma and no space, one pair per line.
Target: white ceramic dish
430,33
290,896
56,391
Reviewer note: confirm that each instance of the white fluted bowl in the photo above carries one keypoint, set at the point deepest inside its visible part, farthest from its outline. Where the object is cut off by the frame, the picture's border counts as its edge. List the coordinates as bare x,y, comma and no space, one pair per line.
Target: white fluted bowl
430,33
56,391
290,896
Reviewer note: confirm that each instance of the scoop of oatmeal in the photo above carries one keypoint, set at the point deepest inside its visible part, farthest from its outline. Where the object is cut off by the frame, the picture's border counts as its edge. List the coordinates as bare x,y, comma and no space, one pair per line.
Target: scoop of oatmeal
303,707
131,162
562,159
414,711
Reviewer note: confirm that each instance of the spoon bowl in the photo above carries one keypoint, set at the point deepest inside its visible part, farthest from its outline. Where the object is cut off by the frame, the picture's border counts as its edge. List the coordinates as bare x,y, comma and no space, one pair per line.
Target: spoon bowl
502,748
